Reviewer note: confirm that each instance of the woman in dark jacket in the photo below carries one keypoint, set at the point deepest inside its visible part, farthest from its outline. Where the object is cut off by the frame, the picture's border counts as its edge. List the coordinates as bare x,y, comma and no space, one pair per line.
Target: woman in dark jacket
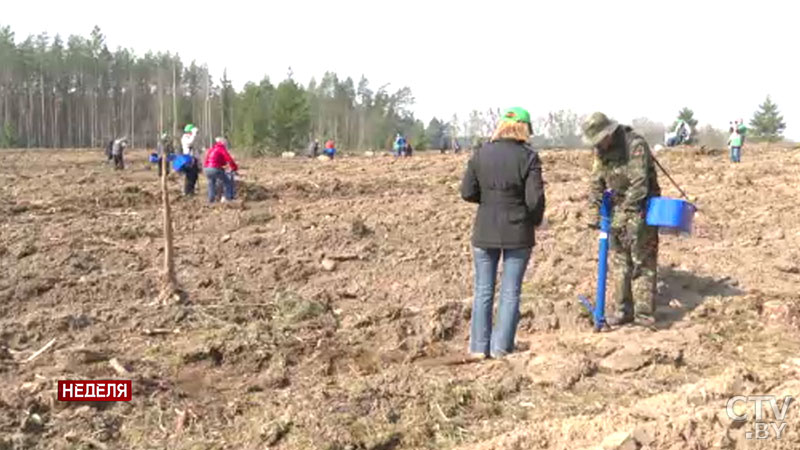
504,177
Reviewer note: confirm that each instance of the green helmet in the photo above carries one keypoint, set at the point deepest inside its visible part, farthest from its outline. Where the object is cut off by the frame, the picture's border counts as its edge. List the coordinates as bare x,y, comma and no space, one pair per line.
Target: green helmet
188,128
516,114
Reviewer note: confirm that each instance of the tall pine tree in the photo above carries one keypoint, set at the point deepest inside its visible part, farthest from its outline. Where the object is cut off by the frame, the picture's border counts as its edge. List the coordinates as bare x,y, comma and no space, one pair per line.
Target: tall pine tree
436,133
687,115
767,123
291,119
228,95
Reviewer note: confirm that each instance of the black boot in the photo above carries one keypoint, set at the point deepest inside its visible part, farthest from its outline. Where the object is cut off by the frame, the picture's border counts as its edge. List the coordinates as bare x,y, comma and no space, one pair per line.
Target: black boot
645,320
619,319
623,316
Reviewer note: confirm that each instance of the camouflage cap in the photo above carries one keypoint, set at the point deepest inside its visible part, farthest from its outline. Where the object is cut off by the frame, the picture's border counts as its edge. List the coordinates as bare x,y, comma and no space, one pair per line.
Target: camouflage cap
597,127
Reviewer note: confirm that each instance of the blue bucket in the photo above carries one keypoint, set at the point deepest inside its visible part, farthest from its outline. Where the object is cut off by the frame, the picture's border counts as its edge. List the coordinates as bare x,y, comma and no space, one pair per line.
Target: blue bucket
670,213
180,162
153,157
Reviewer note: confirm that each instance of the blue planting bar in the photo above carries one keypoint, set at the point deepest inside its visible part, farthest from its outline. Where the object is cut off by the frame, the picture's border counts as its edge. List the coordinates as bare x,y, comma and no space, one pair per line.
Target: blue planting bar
598,310
602,261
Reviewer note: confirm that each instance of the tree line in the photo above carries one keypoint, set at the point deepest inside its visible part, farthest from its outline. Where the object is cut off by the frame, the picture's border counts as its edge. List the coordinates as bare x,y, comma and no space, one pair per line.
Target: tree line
562,128
79,93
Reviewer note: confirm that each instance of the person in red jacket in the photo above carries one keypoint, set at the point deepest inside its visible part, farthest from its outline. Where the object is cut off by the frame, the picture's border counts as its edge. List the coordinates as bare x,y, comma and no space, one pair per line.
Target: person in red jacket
217,157
330,149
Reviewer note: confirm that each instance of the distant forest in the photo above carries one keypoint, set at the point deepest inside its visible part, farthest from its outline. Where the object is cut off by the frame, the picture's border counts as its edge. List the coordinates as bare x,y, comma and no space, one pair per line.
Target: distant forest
79,93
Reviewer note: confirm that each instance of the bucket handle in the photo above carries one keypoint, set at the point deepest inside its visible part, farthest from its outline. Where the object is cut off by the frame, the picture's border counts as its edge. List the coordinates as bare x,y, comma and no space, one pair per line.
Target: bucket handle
672,180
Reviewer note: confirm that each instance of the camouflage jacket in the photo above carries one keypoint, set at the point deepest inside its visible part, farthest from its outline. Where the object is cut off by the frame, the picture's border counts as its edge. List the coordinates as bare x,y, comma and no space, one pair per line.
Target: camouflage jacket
627,169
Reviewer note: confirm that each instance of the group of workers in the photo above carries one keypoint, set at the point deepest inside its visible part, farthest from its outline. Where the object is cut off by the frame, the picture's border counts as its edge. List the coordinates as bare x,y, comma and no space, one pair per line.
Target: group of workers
329,151
217,159
504,176
737,131
401,147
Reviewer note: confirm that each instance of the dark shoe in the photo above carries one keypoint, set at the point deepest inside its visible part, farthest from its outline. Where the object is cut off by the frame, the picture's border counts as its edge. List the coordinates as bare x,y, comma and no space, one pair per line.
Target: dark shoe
619,319
645,320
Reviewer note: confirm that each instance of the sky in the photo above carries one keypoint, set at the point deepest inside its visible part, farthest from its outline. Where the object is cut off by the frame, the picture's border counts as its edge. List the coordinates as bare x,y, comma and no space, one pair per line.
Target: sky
645,58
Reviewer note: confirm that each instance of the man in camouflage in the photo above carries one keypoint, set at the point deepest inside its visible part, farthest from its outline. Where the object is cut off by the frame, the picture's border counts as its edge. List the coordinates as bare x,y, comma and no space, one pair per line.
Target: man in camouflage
623,164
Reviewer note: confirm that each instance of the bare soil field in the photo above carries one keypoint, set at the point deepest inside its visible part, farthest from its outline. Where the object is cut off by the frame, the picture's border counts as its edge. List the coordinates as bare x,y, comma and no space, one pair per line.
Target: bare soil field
327,308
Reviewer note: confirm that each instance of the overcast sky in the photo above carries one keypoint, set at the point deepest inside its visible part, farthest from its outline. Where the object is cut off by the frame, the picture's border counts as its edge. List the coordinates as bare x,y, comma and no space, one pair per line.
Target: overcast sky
627,58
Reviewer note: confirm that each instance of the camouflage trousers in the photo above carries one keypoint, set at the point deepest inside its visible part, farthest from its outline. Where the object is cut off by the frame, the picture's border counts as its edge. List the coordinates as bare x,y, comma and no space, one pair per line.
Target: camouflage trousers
634,266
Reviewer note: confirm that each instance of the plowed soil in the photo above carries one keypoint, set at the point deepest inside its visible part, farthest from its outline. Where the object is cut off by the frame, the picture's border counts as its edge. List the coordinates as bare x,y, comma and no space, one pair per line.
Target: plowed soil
328,308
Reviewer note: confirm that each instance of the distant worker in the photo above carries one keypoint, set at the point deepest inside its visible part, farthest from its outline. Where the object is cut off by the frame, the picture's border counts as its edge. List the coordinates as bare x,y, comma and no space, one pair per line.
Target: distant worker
217,158
684,131
192,169
109,148
680,135
735,142
164,150
742,129
117,150
313,148
624,165
409,149
330,149
399,145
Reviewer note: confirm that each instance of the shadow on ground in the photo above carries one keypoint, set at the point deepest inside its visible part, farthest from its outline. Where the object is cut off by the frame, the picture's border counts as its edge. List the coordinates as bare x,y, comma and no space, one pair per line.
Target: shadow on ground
690,291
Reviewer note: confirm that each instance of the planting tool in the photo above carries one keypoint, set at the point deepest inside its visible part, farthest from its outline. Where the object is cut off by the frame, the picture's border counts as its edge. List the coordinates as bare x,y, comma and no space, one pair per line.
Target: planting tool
598,309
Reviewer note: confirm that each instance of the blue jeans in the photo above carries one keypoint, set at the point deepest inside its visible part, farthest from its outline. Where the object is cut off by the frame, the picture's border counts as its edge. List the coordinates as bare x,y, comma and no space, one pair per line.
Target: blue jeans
500,341
736,154
214,175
